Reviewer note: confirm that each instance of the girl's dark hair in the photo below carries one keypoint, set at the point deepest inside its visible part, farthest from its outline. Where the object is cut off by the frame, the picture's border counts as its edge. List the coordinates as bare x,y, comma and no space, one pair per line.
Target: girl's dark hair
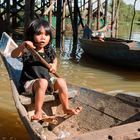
34,29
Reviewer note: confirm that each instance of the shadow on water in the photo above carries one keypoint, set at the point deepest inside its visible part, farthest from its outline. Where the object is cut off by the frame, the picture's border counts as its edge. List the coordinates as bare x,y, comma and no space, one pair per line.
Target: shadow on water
128,73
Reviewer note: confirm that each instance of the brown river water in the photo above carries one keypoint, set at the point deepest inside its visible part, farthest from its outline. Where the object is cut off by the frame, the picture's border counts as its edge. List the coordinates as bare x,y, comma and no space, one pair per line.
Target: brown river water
87,73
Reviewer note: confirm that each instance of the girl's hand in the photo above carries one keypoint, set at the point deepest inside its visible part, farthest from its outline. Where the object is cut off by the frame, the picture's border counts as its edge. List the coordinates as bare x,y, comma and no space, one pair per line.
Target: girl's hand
28,44
19,51
52,68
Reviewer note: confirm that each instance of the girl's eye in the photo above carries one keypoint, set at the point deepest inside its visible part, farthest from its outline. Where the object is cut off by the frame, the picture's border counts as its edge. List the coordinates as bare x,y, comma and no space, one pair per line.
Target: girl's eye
38,33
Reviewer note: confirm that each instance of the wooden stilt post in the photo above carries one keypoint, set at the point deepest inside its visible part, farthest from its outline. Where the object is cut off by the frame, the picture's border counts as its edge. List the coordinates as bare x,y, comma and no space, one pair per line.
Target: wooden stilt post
106,9
84,4
71,16
50,14
89,13
133,19
79,14
32,6
98,14
75,33
117,26
58,23
74,21
116,18
112,18
29,12
63,25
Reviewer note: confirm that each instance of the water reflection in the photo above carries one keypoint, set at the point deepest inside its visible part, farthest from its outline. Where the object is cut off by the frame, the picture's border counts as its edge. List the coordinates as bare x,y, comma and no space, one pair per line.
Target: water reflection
127,73
99,76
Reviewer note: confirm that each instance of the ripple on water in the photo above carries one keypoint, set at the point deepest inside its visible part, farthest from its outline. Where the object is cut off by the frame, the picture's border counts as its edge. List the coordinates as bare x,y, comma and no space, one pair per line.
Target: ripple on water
98,76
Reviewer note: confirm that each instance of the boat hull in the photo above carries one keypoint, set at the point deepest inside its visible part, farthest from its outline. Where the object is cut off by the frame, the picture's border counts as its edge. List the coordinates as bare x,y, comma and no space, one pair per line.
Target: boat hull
119,52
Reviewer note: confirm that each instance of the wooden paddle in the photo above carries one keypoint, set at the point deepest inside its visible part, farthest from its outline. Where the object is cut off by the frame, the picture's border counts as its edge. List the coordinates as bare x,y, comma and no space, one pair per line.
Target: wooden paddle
40,59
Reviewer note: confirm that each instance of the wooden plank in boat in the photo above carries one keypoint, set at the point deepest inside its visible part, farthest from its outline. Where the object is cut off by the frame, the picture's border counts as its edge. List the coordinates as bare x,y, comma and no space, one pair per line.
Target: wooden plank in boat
129,98
108,104
27,100
129,131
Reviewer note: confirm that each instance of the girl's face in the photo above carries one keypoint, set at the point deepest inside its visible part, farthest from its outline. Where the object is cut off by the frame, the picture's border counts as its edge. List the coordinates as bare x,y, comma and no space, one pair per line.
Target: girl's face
42,39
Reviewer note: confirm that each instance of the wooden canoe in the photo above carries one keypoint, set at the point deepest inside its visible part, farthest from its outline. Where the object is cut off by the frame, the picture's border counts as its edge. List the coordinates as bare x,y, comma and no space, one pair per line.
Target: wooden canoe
103,116
115,51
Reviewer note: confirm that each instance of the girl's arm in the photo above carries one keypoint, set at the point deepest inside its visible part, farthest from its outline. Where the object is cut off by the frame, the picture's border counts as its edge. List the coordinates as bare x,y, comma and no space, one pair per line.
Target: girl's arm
18,51
53,66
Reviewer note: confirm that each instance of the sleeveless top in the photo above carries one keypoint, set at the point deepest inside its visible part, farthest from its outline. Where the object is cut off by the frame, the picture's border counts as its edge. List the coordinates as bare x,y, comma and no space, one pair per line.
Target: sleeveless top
33,68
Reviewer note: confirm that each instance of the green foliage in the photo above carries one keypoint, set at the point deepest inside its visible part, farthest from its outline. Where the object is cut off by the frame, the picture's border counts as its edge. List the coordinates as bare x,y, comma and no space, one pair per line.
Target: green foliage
126,12
137,18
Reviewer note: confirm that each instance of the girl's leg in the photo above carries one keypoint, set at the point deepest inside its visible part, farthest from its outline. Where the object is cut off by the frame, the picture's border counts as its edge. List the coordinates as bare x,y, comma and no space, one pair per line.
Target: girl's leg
61,85
39,87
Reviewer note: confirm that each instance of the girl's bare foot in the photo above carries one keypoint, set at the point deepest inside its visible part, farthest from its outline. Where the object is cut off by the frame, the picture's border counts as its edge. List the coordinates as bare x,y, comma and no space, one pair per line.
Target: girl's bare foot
37,116
75,111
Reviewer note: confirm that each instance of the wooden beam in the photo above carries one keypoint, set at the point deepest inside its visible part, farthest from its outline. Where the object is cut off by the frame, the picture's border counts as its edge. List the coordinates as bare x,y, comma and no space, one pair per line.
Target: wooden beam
98,14
58,23
75,33
89,13
106,10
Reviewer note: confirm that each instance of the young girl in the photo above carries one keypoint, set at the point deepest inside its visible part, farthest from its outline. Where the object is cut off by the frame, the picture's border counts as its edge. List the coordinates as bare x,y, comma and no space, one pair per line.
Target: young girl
35,76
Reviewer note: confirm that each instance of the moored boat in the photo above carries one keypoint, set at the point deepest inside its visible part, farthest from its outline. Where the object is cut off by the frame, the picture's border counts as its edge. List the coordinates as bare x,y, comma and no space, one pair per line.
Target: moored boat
111,50
103,116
